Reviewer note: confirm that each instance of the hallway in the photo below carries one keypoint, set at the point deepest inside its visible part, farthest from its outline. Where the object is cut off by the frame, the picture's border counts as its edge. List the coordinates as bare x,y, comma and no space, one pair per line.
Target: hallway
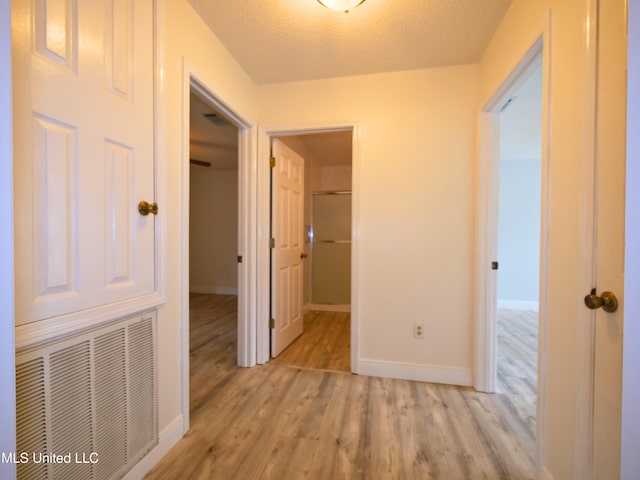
277,422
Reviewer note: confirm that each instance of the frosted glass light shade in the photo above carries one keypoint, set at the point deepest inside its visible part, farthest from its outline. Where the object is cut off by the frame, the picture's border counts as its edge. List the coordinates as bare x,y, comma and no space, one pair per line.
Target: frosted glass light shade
341,5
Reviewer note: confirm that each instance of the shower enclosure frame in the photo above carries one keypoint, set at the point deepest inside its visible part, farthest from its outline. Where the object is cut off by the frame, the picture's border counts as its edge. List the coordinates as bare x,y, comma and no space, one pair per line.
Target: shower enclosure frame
328,306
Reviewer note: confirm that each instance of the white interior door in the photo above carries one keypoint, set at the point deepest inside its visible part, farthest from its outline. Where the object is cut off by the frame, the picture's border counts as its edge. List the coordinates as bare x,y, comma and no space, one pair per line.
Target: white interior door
287,196
610,231
84,158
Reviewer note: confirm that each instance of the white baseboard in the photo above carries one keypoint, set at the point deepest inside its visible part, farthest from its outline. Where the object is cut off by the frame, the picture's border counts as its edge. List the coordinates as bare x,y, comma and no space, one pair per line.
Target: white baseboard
215,290
321,307
518,304
422,373
168,438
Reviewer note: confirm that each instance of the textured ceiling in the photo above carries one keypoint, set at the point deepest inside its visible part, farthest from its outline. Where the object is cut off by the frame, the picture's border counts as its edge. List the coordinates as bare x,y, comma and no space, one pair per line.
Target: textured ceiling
290,40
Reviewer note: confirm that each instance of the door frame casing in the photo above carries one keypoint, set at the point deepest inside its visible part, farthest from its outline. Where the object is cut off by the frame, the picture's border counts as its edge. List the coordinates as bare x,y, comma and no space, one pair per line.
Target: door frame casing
194,80
263,254
485,355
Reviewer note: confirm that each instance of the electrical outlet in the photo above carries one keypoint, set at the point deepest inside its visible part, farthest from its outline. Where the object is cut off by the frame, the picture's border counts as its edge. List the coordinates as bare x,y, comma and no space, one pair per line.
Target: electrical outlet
418,330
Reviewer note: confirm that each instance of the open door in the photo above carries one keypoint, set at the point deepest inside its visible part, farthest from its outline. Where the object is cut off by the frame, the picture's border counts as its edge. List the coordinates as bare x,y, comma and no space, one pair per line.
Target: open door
287,196
609,239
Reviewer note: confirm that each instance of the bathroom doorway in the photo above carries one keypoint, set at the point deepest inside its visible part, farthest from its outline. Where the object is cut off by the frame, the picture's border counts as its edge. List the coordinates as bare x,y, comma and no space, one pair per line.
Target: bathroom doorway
327,224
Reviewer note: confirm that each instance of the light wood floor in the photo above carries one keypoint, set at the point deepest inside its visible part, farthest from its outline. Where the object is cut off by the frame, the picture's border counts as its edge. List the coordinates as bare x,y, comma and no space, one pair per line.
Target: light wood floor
325,343
518,360
279,422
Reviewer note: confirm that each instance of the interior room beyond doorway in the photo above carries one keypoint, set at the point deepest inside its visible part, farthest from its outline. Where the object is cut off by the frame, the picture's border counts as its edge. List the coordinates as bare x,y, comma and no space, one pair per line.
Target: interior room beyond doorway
213,244
326,291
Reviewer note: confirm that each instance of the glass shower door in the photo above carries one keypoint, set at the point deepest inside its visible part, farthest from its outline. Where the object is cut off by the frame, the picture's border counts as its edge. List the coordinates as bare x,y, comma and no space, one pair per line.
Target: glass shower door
331,252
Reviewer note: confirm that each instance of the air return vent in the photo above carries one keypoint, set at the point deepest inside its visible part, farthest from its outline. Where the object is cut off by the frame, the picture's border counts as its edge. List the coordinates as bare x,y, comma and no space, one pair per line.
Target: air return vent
216,119
90,400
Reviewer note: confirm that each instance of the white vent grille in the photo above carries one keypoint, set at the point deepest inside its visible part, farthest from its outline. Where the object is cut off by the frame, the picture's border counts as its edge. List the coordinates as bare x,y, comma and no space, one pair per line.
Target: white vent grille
31,416
90,397
71,426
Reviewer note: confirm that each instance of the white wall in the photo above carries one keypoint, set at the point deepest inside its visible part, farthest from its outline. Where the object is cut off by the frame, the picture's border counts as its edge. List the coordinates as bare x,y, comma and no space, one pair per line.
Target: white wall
7,350
188,40
519,231
631,359
213,238
415,181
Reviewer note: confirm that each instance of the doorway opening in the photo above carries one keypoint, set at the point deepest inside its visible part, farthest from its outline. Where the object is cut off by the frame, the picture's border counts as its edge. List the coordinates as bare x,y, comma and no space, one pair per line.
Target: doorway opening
325,228
519,200
213,243
216,258
513,246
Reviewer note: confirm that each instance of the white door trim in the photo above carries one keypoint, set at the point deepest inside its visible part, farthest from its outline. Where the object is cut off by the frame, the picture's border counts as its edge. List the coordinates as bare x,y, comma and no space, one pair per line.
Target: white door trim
265,134
485,365
7,349
193,79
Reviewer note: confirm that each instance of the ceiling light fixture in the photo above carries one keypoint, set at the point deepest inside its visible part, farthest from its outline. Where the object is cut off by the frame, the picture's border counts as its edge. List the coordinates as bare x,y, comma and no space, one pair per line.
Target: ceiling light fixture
341,5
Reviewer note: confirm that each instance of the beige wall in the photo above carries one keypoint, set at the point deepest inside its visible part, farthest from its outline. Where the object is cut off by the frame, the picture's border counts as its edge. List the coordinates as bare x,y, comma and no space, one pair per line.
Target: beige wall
415,181
332,177
213,231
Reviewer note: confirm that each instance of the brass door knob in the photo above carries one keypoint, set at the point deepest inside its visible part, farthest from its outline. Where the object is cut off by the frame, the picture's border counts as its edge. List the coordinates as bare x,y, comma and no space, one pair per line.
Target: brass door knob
607,301
303,256
145,208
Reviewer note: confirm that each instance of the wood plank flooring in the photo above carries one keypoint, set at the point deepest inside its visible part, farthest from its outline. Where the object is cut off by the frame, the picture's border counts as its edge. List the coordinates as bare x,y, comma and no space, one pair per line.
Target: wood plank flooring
325,343
518,360
277,422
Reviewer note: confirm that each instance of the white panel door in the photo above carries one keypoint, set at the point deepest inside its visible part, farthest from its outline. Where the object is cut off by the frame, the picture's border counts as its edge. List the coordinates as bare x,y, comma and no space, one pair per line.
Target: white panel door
287,194
610,231
84,158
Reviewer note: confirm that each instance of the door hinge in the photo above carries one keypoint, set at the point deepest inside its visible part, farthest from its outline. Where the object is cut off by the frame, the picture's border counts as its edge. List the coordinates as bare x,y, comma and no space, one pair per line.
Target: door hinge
272,323
239,258
272,162
272,242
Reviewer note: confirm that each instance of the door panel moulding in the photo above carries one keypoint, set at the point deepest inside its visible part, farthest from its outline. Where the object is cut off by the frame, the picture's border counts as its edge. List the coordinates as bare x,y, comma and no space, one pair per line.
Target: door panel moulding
265,135
536,52
194,81
73,321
